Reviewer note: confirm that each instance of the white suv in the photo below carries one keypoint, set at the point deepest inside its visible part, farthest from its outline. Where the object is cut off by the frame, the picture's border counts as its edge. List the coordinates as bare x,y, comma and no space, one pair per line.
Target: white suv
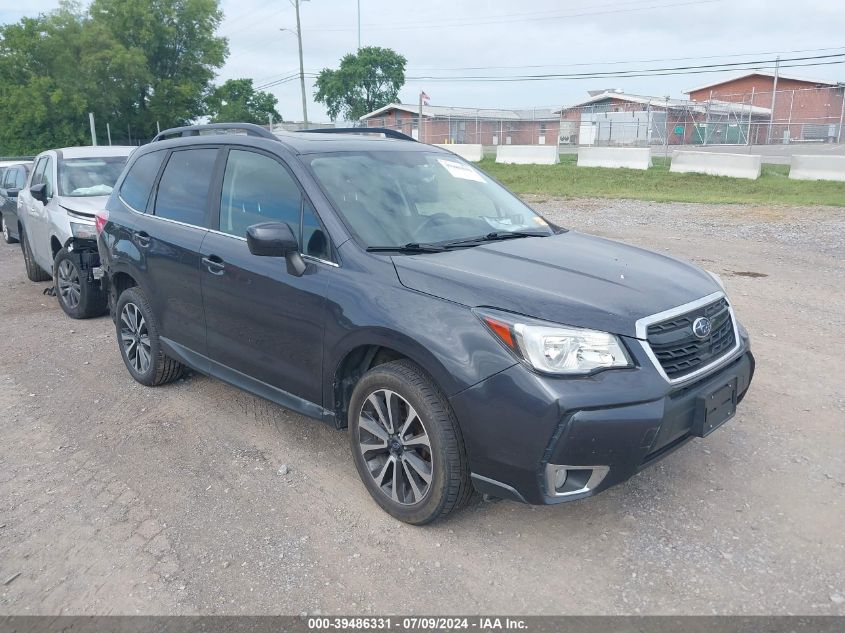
56,210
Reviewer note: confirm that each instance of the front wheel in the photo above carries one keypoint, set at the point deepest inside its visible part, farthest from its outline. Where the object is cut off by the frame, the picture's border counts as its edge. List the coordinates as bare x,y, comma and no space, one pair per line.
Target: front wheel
77,296
140,347
406,444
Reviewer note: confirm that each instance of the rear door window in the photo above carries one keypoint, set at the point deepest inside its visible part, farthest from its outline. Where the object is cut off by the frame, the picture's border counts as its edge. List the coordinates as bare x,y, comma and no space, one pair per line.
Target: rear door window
183,189
9,178
138,184
20,178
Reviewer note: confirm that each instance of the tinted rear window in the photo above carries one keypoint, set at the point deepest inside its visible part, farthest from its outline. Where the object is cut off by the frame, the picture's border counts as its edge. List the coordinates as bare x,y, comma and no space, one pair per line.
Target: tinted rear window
138,183
183,189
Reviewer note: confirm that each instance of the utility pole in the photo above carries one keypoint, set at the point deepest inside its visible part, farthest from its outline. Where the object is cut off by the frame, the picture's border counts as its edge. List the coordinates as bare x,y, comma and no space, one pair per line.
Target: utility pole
359,25
774,100
301,65
93,129
108,132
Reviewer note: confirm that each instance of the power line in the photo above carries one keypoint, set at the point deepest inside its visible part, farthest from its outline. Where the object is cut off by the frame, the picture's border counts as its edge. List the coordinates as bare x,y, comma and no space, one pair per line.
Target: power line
628,73
794,62
446,24
632,61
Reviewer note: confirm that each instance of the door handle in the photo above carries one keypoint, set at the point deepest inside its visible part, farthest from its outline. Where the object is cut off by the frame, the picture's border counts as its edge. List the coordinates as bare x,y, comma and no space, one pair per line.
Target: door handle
142,238
214,264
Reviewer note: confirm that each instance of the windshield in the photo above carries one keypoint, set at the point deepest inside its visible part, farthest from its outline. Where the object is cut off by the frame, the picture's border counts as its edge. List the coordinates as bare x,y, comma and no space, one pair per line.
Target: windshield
89,176
398,198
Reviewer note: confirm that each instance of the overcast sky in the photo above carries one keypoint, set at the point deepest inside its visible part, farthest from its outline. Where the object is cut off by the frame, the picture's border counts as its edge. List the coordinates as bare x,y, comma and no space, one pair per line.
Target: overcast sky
499,38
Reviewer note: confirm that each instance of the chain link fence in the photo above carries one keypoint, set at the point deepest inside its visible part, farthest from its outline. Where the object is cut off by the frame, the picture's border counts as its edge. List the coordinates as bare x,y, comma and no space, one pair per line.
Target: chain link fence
808,116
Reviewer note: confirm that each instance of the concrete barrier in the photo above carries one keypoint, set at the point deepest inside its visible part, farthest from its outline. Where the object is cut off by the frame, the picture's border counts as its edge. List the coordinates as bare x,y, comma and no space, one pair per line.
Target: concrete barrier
527,154
470,152
717,164
817,168
615,157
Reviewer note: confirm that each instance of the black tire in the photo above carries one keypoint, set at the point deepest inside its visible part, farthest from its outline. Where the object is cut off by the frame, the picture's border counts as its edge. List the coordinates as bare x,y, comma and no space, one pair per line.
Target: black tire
160,368
449,487
78,297
33,271
7,237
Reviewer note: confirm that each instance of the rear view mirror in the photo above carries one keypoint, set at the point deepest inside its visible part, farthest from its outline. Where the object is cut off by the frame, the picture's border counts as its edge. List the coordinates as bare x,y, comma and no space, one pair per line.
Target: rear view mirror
39,192
13,192
276,239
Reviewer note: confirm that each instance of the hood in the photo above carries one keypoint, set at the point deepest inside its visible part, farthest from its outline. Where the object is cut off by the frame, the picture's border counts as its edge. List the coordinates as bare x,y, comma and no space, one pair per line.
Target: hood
85,205
571,279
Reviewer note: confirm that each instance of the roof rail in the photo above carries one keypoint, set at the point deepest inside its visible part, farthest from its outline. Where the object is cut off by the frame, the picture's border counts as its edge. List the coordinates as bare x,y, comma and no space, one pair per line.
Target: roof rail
387,132
194,130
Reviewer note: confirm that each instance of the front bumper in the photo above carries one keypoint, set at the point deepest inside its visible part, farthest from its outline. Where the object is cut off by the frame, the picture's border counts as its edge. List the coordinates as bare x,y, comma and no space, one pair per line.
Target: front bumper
605,428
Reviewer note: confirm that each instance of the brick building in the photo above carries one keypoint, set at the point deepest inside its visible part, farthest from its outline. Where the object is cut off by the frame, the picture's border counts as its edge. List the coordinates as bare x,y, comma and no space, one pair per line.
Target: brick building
804,109
613,117
445,124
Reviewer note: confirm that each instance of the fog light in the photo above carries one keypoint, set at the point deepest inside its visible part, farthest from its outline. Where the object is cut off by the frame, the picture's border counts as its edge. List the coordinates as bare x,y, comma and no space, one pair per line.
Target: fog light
560,478
567,481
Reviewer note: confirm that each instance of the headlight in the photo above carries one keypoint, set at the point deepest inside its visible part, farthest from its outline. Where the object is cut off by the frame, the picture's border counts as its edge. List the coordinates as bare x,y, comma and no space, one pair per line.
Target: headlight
556,349
83,231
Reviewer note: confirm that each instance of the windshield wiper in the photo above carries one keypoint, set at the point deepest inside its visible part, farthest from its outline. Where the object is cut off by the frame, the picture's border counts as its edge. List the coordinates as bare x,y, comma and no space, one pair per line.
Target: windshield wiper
411,247
495,236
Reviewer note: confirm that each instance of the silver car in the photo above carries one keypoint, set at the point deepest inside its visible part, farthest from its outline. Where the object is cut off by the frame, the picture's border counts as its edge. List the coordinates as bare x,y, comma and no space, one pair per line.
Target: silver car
56,211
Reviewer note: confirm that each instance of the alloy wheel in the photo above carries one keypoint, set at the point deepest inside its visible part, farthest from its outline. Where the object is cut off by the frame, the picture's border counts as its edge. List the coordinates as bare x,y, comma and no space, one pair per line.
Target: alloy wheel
68,283
5,229
135,338
395,446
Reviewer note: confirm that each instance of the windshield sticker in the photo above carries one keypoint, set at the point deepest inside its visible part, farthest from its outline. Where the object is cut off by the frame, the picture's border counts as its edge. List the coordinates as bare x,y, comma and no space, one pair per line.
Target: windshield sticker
457,170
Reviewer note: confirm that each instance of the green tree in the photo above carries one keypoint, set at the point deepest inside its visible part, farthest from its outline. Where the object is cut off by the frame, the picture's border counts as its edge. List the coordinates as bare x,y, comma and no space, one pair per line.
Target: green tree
366,80
130,63
237,101
182,52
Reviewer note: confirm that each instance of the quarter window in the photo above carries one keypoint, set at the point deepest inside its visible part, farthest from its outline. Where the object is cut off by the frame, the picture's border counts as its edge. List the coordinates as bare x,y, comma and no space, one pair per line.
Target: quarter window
138,183
48,178
183,189
38,173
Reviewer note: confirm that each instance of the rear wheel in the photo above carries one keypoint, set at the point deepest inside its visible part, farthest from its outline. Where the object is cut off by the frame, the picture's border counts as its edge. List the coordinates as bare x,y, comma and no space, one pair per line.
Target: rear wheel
140,347
33,271
7,236
77,296
406,443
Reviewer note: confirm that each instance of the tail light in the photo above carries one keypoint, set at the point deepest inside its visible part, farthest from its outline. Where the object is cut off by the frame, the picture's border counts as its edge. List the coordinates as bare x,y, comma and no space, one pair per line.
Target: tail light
100,220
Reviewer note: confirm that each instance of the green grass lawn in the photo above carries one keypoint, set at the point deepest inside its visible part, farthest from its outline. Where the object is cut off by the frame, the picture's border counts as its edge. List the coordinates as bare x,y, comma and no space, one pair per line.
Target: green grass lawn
658,184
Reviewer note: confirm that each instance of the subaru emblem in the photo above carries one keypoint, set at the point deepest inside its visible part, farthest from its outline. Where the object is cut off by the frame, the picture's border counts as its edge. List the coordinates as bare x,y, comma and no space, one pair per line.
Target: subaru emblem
702,327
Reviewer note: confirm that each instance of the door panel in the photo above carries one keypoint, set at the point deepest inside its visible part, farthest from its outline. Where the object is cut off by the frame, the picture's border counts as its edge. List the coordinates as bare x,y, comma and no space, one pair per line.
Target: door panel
262,321
170,242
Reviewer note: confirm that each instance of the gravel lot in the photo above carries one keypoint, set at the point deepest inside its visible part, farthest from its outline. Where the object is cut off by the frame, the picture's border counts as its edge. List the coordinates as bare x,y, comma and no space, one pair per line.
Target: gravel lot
115,498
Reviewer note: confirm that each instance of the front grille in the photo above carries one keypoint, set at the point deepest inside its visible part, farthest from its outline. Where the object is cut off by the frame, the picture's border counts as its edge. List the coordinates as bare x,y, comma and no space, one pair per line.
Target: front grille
680,352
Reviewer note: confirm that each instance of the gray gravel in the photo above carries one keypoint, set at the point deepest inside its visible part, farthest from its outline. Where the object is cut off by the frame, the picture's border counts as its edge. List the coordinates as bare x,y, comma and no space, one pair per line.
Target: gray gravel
115,498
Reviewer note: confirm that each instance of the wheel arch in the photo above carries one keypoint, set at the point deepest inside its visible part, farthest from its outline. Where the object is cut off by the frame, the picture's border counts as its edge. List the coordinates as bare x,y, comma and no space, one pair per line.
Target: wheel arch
367,349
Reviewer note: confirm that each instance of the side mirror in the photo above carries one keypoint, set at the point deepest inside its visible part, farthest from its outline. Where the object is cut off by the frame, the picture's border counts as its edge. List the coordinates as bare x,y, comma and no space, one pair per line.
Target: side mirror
12,193
39,192
276,239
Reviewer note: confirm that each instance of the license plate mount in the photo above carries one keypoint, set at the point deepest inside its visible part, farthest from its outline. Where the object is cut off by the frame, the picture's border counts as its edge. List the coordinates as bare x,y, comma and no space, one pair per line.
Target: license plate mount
715,408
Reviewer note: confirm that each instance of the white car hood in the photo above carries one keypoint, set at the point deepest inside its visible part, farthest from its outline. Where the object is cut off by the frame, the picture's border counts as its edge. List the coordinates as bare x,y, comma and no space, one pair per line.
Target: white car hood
87,205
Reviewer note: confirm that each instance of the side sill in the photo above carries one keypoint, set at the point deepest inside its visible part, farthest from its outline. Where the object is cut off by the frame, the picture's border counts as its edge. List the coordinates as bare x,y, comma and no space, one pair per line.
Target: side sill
205,365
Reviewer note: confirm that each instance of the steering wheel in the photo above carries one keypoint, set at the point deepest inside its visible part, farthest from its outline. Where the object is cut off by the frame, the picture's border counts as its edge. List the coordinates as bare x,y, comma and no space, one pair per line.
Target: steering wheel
431,220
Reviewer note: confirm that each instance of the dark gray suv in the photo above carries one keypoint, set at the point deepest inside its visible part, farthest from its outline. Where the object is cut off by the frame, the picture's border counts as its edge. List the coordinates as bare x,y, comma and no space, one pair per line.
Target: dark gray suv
388,286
